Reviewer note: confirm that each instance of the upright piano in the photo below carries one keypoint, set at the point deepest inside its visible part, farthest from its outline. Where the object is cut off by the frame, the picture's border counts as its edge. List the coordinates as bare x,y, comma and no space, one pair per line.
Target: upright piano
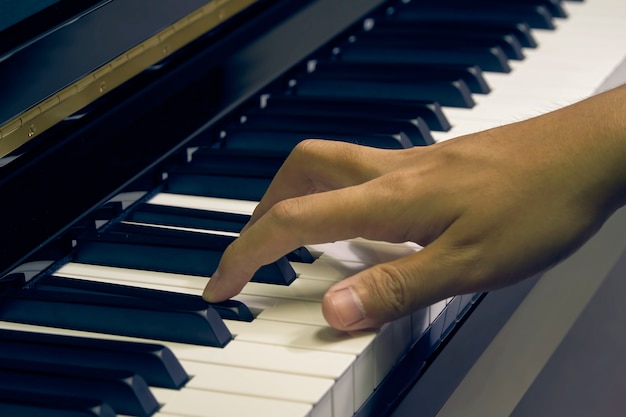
136,137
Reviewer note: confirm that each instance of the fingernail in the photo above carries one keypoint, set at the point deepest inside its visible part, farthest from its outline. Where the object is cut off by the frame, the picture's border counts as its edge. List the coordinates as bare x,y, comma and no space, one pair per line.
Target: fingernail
348,306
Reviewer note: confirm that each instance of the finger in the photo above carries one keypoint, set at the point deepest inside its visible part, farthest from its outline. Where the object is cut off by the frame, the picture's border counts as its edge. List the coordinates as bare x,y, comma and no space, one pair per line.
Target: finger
317,165
391,290
319,218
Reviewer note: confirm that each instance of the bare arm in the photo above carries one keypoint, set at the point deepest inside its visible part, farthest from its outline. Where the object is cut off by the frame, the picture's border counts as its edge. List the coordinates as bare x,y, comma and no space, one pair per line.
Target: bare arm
490,209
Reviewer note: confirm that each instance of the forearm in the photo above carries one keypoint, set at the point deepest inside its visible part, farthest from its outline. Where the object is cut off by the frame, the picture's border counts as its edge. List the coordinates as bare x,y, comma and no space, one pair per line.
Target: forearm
606,115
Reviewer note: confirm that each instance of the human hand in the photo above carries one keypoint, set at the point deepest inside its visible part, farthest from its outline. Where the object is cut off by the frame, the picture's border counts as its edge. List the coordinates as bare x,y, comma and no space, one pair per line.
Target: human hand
490,209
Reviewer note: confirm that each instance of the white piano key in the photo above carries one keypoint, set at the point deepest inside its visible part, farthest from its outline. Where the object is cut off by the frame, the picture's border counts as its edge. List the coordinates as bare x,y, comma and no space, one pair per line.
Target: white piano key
365,251
368,354
205,203
420,320
402,336
436,309
283,359
202,403
258,383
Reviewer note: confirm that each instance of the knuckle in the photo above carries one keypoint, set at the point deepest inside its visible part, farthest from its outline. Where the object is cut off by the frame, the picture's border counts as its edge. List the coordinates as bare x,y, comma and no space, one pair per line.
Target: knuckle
307,148
286,213
390,290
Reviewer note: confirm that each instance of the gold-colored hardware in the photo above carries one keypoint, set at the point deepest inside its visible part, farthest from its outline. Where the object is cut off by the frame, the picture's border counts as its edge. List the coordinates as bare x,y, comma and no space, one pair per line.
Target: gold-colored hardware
43,115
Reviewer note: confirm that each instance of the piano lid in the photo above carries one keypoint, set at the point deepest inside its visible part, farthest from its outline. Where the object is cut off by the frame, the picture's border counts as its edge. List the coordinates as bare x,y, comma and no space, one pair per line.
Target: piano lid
50,68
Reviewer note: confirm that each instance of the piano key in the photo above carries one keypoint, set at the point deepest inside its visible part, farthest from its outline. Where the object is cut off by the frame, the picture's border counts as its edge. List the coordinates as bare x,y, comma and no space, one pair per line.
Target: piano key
202,403
205,203
187,217
364,250
164,249
155,363
229,309
537,17
201,220
488,53
125,392
257,139
259,383
553,6
330,125
237,163
408,110
97,312
196,181
408,73
519,29
370,47
14,403
494,36
454,94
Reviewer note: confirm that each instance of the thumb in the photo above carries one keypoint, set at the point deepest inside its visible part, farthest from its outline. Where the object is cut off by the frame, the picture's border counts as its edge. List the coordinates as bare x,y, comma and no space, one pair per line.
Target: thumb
387,291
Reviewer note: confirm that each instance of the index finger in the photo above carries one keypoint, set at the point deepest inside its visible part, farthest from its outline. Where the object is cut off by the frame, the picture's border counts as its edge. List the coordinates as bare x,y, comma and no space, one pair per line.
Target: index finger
318,218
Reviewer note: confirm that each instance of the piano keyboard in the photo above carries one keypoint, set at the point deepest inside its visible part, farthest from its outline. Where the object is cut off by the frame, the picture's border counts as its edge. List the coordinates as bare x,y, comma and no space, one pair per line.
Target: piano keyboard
286,361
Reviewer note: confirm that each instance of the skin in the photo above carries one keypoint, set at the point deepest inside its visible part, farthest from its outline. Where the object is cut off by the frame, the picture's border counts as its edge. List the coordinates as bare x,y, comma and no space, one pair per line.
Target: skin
490,208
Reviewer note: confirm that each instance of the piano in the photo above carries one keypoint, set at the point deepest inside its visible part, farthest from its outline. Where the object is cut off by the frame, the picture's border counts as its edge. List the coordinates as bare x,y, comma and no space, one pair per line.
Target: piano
136,137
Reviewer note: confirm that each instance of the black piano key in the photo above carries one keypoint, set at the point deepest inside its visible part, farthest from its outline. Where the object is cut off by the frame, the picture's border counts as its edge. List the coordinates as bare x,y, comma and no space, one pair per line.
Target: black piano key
256,164
505,39
517,27
82,309
454,94
229,309
155,363
169,250
553,6
192,181
15,403
488,52
283,142
410,74
125,392
202,219
371,47
328,125
537,17
407,110
187,217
